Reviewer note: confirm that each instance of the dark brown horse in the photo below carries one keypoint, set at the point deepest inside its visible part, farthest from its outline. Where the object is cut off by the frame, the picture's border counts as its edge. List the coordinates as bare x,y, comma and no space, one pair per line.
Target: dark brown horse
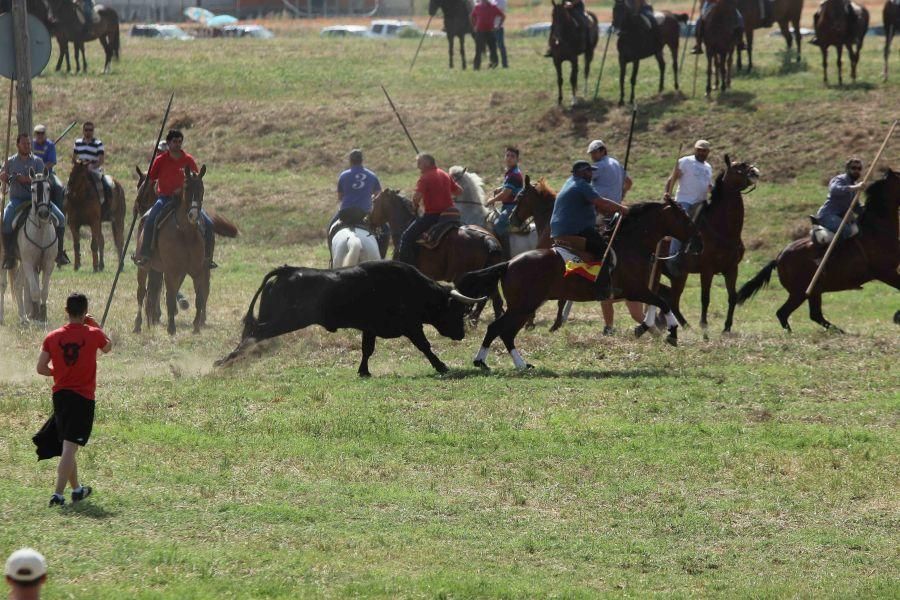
720,225
572,35
456,24
719,40
636,41
532,278
841,24
70,26
83,207
891,20
180,251
872,254
753,19
787,14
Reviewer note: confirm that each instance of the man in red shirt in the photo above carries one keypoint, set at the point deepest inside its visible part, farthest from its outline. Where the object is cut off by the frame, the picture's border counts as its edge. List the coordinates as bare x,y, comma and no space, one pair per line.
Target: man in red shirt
72,352
168,172
435,189
486,17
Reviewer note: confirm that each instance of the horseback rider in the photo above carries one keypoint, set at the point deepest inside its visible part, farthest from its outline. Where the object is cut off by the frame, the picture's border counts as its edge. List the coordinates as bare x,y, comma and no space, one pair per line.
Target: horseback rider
705,8
16,173
694,177
87,7
355,188
578,11
506,195
46,151
575,210
90,149
435,189
841,190
168,173
643,9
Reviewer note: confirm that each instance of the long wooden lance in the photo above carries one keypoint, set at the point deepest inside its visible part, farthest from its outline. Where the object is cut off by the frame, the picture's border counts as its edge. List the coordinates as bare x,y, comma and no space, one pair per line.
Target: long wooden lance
655,269
134,217
424,33
603,61
837,234
399,118
63,134
3,187
690,19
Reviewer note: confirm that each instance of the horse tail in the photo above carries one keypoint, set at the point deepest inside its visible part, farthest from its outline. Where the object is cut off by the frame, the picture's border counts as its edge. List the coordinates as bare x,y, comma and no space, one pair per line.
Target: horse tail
223,226
354,247
477,284
761,280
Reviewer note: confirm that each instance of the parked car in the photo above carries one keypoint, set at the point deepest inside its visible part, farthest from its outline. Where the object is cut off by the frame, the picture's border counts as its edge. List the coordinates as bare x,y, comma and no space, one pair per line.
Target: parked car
344,31
250,31
156,30
538,29
390,28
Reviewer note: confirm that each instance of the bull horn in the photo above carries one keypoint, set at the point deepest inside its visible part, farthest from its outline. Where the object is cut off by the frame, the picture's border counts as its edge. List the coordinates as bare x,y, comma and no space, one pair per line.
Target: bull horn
466,299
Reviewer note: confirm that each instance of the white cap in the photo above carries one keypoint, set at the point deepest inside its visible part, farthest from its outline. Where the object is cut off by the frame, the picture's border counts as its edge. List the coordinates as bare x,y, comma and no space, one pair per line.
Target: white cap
701,145
596,145
26,565
40,129
163,146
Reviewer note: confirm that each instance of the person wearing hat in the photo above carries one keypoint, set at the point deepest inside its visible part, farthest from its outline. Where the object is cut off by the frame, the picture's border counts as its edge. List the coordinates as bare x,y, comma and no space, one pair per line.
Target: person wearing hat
46,150
611,181
576,207
26,572
356,186
694,177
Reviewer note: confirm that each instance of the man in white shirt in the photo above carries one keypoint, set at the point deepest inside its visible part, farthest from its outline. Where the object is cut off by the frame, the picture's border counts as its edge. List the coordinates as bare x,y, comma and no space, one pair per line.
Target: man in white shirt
694,177
90,149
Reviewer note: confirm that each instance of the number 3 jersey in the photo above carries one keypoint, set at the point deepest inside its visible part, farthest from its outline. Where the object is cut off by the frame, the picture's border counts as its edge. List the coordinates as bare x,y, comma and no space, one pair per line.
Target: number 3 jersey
356,185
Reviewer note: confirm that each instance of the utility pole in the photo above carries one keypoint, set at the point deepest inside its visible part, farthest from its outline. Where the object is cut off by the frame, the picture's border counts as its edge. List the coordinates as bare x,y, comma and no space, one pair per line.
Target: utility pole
23,66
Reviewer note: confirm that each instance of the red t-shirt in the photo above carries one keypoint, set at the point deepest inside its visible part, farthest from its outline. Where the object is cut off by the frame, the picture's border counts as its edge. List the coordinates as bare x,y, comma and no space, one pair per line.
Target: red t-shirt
484,16
169,172
73,354
437,190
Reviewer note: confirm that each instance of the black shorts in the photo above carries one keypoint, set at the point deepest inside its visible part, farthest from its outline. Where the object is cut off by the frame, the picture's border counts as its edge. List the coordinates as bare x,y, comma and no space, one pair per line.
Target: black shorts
74,416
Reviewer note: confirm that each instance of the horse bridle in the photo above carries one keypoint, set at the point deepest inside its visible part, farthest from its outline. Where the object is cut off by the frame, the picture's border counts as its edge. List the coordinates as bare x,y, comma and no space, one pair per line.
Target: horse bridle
44,203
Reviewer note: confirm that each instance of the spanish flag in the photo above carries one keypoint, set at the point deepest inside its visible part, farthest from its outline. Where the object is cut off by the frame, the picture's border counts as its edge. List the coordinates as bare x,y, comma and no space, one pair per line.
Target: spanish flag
588,270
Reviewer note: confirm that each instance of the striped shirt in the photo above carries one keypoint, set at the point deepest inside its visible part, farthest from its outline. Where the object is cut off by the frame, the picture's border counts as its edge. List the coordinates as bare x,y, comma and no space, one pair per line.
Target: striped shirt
91,150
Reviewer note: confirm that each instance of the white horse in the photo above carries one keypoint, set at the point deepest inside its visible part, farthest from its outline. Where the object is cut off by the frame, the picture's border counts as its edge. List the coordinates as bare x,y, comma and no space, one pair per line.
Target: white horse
37,250
470,203
353,245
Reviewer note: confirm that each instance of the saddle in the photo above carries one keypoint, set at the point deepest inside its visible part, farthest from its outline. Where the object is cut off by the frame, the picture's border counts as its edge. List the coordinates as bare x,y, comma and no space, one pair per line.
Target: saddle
348,218
821,237
578,261
574,245
526,227
95,15
448,221
164,215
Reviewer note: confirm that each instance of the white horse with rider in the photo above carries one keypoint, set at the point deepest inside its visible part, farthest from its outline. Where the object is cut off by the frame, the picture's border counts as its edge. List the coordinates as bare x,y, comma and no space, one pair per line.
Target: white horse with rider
353,245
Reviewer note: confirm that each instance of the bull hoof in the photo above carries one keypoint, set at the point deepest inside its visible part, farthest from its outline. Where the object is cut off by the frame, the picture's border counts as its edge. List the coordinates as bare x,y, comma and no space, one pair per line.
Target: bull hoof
441,368
481,365
640,330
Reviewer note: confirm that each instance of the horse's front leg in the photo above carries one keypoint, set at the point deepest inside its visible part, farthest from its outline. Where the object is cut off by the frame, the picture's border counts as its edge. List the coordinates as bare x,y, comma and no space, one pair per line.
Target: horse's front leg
32,290
76,246
201,290
634,73
45,284
141,295
840,64
173,284
97,246
662,69
622,66
559,81
450,49
573,79
709,65
706,278
462,51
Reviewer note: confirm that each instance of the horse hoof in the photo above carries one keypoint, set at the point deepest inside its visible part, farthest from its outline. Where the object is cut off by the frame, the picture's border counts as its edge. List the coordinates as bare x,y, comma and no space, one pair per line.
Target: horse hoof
672,341
481,365
442,368
554,327
640,330
364,374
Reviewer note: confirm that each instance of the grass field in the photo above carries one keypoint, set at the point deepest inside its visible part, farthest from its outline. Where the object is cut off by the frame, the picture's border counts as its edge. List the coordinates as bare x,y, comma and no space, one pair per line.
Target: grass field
750,465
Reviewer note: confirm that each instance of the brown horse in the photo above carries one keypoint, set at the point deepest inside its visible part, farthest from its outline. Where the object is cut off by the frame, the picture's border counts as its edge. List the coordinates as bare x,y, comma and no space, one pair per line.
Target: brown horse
720,225
69,25
636,42
181,251
720,41
83,208
534,277
872,254
753,19
787,14
456,24
571,35
891,20
841,24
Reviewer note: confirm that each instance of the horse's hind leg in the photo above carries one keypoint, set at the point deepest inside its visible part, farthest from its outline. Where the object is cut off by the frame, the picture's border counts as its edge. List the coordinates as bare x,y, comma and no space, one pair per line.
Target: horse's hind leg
706,278
793,303
634,73
462,51
730,285
888,37
511,328
559,81
622,66
152,306
573,79
76,246
840,64
97,246
561,315
450,49
141,295
825,64
675,65
815,313
662,69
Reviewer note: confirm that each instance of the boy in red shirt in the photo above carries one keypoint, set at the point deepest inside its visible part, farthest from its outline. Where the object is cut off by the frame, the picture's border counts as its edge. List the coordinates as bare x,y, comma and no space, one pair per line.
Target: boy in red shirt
435,189
72,352
485,18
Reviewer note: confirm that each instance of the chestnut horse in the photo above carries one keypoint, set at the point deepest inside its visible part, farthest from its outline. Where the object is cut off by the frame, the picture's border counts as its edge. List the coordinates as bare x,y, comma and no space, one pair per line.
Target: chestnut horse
720,225
872,254
532,278
180,251
891,20
83,207
719,40
636,42
841,24
753,19
568,40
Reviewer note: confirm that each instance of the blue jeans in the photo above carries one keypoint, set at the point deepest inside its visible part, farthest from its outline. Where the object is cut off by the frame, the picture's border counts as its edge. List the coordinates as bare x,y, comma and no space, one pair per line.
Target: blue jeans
501,47
501,227
831,222
150,223
407,250
14,203
675,245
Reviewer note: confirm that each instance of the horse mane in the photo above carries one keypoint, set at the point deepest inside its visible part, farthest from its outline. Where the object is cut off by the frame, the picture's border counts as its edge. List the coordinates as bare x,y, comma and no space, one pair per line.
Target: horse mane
716,195
638,210
877,205
544,188
471,183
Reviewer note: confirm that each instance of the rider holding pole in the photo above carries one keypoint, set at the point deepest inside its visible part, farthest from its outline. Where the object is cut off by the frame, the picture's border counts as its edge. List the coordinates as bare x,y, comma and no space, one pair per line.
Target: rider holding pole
46,150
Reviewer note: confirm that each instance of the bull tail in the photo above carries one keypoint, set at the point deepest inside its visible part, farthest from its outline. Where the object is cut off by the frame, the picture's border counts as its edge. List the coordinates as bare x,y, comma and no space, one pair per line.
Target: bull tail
250,322
482,283
761,280
223,226
354,248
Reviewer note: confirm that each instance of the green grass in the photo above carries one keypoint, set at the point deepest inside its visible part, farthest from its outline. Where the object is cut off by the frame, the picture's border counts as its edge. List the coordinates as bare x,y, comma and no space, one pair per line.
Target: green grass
750,465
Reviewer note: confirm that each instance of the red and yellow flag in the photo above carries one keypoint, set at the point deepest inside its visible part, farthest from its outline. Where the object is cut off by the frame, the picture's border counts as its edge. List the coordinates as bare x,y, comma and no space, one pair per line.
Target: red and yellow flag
588,270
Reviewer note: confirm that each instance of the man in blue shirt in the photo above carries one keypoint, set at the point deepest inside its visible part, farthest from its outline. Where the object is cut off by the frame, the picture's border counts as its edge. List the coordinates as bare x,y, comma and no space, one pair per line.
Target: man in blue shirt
575,210
506,194
46,151
356,187
841,190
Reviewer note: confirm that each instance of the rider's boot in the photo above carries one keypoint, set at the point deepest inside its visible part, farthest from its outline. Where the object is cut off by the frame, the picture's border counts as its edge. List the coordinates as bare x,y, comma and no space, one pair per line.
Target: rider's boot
698,39
61,258
9,256
210,244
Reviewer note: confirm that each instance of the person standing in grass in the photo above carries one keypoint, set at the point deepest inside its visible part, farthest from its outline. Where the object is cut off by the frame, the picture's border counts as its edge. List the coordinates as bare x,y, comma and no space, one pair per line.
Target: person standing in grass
486,17
499,33
69,355
26,573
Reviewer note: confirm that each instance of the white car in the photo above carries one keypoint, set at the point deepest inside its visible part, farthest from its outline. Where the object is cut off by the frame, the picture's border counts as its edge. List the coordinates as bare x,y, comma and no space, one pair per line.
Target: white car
159,31
391,28
344,31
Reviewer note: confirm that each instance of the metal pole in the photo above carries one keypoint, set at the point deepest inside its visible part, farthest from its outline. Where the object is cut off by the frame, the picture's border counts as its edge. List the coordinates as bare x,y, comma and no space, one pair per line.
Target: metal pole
691,18
694,84
837,234
603,61
424,33
630,136
134,217
399,118
63,134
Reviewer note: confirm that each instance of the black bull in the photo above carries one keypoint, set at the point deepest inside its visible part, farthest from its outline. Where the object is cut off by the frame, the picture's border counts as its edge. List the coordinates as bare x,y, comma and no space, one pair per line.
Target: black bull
384,299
